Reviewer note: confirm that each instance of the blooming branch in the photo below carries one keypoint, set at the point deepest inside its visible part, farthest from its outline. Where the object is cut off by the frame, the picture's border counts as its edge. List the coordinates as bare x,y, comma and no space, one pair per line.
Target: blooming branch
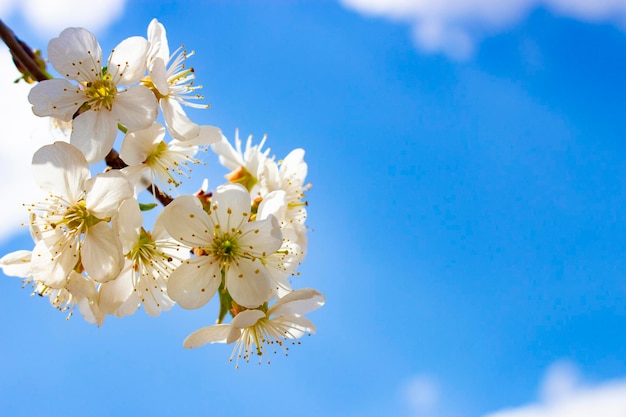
92,249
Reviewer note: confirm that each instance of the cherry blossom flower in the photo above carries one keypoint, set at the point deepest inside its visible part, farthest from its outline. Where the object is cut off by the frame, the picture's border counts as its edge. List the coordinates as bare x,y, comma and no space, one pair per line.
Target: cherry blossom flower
162,163
256,330
247,165
97,104
173,85
150,258
231,249
262,175
71,225
78,290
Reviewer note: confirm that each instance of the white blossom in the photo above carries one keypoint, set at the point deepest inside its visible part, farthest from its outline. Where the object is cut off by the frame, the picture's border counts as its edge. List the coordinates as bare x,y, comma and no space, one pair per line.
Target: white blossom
162,164
71,225
96,105
78,290
247,165
173,85
257,330
231,249
150,258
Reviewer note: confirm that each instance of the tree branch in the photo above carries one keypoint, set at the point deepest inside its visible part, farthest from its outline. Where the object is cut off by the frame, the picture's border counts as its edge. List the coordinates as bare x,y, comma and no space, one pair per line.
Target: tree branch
21,53
114,161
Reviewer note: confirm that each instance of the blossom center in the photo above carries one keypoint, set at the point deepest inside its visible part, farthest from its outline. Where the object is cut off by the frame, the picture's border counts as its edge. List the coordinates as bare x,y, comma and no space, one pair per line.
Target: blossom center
147,81
144,250
242,176
78,218
156,155
225,248
101,93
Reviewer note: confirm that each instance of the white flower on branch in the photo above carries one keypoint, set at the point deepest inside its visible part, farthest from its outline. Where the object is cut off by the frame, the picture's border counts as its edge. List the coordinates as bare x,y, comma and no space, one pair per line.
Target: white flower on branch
71,226
161,163
150,259
173,85
254,331
229,248
78,290
96,105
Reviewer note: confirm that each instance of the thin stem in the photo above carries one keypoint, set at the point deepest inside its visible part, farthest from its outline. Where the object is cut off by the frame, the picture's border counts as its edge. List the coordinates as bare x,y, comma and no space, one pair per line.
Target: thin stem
115,162
20,54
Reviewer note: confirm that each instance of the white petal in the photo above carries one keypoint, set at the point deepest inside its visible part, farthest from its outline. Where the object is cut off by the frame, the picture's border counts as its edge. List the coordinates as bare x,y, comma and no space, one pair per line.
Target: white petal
229,157
186,221
116,292
282,264
61,170
155,301
271,175
56,98
248,283
52,264
298,302
206,135
106,192
16,264
247,318
101,253
294,327
261,238
275,203
90,312
178,124
127,62
211,334
128,223
94,133
233,334
158,41
194,282
136,108
76,54
158,75
138,176
294,164
139,144
230,206
80,286
128,307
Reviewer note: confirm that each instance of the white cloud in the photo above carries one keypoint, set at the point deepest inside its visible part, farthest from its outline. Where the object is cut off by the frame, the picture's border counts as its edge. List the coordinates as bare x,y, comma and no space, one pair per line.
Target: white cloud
421,395
565,395
561,380
455,26
21,137
49,18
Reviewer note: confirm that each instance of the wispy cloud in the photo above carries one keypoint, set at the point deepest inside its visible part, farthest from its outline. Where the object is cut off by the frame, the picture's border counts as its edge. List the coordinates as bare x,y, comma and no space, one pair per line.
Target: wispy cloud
49,18
564,394
454,27
421,395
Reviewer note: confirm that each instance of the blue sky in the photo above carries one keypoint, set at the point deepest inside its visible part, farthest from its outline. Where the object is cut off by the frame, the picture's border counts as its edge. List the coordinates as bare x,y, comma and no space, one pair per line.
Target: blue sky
467,216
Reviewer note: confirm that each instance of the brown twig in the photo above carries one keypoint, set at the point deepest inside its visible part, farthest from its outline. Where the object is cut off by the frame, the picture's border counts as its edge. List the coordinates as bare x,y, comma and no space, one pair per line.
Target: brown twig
20,54
114,161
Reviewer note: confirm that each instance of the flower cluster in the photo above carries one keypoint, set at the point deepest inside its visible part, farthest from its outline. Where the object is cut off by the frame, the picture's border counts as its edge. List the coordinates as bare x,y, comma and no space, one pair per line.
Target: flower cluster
240,244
